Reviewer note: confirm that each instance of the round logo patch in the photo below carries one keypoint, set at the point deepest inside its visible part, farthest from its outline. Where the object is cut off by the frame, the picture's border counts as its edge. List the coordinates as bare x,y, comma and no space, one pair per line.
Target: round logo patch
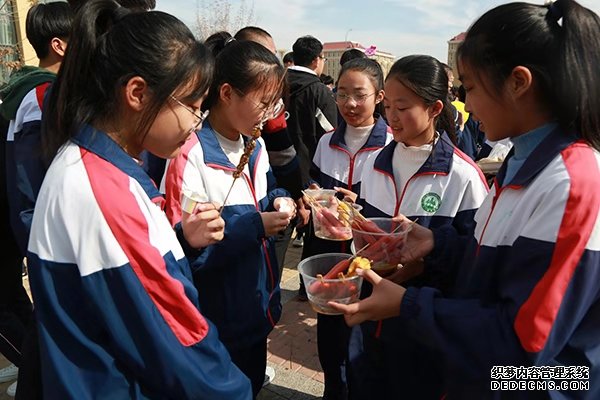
431,202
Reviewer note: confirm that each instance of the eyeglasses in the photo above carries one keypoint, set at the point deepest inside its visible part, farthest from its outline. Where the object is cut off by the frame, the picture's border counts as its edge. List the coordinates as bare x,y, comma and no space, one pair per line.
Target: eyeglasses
269,112
323,58
358,99
200,117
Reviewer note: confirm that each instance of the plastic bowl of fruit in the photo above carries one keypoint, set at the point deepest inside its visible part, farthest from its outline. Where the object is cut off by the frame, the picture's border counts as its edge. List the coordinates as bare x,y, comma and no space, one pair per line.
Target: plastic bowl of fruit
381,241
331,277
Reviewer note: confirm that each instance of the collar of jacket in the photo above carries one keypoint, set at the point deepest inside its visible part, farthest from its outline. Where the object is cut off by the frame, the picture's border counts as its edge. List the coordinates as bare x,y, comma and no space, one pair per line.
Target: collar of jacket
99,143
214,154
539,158
438,162
19,84
376,139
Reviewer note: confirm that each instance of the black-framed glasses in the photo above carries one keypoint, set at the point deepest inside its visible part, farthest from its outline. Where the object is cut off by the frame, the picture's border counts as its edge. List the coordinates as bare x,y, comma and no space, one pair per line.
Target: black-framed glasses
269,112
359,99
200,117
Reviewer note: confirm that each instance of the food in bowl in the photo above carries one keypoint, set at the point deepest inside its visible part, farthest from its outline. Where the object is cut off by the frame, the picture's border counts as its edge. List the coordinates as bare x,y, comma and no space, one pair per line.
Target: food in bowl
332,277
381,241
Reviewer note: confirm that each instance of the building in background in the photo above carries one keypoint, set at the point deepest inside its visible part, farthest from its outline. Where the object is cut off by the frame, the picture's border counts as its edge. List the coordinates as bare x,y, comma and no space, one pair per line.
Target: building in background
333,51
15,49
453,45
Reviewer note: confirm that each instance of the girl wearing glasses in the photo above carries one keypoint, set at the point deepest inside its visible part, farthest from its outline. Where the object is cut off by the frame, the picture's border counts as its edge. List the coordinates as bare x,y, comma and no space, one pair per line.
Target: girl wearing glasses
422,175
338,163
237,278
117,311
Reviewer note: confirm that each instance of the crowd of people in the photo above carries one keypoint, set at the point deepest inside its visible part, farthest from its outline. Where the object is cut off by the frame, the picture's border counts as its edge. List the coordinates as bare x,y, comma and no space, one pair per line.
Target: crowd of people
152,184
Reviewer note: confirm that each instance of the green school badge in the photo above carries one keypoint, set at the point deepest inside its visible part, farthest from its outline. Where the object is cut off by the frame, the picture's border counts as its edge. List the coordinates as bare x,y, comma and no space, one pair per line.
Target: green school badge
431,202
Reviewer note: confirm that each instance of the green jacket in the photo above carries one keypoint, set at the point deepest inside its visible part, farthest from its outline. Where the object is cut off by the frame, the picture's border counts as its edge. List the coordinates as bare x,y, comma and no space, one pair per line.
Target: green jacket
19,84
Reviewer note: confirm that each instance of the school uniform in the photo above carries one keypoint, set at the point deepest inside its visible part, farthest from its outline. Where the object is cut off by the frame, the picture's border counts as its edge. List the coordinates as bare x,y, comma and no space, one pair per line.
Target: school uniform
444,192
527,293
21,154
238,277
336,165
117,311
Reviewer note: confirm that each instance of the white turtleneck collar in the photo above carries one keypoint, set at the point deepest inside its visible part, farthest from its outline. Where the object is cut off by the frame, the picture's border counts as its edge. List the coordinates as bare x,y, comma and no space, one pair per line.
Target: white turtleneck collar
356,137
407,160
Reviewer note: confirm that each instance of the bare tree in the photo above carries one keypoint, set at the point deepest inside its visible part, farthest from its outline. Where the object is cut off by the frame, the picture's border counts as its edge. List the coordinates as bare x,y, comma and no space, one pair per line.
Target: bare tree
219,15
11,51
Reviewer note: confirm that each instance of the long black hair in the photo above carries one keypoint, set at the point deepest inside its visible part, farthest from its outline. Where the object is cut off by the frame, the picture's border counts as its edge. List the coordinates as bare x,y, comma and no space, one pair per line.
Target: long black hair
558,43
109,45
427,77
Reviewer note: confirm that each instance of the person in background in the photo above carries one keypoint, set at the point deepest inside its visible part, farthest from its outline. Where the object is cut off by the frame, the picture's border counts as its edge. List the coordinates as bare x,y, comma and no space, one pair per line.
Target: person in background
238,277
48,28
118,315
288,59
327,81
527,290
312,113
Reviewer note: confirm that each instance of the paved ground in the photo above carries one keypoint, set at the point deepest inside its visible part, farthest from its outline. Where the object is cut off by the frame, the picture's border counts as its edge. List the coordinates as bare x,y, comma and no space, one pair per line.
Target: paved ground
292,345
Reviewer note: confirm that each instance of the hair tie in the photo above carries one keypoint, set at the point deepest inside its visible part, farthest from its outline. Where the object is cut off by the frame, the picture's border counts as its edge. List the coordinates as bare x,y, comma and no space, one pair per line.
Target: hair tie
554,10
229,40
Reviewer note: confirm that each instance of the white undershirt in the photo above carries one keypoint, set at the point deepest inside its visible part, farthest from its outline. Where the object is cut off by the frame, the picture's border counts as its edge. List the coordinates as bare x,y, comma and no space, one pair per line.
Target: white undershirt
233,149
356,137
406,161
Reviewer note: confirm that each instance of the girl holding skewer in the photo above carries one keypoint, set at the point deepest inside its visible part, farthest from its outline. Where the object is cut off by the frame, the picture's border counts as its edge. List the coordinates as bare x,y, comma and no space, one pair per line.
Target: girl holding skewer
117,312
226,162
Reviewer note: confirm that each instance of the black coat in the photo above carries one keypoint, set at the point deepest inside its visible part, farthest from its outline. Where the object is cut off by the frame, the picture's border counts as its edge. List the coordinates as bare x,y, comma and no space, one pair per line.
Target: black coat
313,112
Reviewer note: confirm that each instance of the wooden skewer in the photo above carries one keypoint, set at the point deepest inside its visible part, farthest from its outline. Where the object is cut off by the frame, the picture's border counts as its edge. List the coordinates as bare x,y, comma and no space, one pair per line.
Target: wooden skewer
239,170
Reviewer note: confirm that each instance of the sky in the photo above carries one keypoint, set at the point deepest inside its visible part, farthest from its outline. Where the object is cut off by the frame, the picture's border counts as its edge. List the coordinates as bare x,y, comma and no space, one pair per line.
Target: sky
400,27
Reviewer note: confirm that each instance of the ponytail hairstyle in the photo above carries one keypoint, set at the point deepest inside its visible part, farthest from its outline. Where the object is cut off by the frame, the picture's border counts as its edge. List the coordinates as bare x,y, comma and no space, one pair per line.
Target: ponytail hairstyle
246,66
558,43
217,41
109,46
372,70
427,78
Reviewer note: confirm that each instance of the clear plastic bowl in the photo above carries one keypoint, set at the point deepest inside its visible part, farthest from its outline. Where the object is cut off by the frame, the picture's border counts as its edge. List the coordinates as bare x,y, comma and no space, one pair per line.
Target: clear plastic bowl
321,291
325,218
385,247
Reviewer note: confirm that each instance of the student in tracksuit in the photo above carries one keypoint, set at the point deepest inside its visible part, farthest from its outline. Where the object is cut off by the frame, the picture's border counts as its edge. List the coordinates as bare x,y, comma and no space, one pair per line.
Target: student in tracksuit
338,162
117,311
48,27
422,175
237,278
527,291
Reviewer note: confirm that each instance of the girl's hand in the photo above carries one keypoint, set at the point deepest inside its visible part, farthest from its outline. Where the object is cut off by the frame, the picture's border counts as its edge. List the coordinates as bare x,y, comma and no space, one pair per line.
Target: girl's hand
383,303
303,213
349,195
285,204
203,226
274,221
419,241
